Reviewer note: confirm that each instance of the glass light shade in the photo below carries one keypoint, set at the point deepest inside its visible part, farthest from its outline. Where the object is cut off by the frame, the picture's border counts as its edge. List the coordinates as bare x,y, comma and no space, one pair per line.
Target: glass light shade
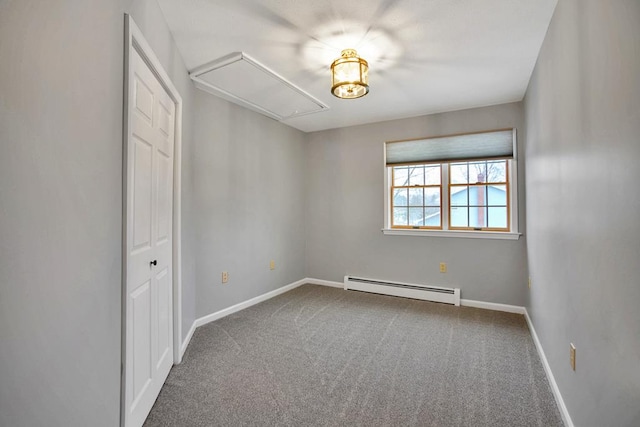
349,76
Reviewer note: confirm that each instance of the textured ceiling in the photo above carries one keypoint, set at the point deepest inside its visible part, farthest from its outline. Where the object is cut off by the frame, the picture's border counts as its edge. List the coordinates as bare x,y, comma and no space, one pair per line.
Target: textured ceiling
425,56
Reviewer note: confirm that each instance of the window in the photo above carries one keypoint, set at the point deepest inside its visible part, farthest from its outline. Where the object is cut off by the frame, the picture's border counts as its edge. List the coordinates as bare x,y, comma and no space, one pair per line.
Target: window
479,195
416,193
453,185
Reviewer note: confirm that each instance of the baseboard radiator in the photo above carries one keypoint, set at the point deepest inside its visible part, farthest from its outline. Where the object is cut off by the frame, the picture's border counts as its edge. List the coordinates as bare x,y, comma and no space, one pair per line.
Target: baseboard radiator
407,290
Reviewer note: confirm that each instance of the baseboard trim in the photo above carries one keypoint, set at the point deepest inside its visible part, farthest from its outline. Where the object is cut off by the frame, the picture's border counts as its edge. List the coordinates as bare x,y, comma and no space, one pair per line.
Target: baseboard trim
245,304
320,282
492,306
465,302
547,369
187,340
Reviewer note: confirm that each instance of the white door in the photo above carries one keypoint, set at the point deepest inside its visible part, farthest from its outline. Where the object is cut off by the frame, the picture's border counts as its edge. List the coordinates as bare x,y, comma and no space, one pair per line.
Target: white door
149,313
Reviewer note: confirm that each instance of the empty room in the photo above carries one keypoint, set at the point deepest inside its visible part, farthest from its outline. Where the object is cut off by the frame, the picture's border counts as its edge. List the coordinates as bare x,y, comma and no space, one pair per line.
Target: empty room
319,213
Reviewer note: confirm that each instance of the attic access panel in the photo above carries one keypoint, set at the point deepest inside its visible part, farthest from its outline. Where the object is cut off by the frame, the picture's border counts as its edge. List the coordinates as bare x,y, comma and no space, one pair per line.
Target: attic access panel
244,81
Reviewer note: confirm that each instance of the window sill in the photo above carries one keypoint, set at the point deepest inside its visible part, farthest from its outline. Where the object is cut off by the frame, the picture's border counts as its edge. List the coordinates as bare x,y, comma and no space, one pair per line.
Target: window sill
451,233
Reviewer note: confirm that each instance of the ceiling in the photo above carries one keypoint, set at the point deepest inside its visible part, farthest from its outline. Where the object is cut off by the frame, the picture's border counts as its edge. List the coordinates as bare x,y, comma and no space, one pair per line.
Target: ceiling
425,56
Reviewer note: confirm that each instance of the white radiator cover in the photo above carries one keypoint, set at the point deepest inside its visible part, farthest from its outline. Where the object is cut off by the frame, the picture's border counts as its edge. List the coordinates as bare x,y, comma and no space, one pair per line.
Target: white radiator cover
406,290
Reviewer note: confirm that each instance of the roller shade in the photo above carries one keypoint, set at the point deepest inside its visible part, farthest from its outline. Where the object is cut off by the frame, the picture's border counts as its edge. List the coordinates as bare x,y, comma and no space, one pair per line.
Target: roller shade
496,144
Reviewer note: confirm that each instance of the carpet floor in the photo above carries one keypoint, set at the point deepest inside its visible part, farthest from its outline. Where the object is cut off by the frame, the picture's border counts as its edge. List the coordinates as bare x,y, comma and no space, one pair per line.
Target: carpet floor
320,356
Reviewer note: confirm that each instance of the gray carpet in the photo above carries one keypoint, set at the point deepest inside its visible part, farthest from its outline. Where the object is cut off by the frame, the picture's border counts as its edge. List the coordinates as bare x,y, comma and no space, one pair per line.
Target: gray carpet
319,356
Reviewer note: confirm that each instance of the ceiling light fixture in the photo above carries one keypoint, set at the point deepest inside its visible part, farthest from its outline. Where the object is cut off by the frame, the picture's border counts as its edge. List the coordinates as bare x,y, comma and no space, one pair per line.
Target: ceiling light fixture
349,76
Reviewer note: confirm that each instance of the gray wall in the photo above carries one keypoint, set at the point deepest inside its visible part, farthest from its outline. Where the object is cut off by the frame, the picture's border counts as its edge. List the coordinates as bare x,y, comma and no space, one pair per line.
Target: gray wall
250,187
60,220
345,213
61,84
583,206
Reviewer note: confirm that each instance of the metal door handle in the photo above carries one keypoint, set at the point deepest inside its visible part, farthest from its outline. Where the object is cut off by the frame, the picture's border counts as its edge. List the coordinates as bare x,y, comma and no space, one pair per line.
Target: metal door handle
154,262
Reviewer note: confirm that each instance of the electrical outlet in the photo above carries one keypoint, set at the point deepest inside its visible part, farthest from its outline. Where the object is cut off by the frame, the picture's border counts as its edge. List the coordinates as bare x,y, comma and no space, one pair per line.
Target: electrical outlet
272,265
529,282
572,356
443,267
225,277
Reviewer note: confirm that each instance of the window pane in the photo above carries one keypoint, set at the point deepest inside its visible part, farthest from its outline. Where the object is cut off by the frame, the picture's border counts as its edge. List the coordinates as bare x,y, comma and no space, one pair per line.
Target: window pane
459,173
416,175
497,171
415,197
478,195
432,217
497,195
432,196
432,175
400,197
459,196
416,217
477,216
400,216
400,177
497,217
477,172
459,217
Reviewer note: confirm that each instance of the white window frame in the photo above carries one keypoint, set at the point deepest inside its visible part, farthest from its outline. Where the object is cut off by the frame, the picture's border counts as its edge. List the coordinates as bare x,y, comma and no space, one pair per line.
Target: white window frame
513,234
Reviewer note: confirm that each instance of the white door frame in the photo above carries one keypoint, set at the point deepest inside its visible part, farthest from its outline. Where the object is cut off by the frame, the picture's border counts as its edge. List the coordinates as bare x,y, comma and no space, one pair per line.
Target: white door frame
134,40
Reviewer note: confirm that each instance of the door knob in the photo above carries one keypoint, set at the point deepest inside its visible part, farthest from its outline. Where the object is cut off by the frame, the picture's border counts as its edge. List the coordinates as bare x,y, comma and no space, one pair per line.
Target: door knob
154,262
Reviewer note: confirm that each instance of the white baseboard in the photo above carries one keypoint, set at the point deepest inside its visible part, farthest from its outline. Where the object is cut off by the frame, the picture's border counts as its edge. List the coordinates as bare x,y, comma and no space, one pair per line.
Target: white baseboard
187,340
465,302
493,306
248,303
547,369
329,283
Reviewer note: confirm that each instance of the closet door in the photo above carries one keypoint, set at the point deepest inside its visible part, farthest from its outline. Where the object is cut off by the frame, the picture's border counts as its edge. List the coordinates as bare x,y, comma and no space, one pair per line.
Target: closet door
149,287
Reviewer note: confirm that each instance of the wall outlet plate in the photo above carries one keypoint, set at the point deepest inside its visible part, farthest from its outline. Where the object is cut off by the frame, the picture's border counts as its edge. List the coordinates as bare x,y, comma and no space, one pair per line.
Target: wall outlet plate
225,277
443,267
572,356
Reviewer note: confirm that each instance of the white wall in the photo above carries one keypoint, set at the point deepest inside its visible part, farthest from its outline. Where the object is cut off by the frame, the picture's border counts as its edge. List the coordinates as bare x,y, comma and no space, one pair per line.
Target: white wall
345,211
583,206
250,193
